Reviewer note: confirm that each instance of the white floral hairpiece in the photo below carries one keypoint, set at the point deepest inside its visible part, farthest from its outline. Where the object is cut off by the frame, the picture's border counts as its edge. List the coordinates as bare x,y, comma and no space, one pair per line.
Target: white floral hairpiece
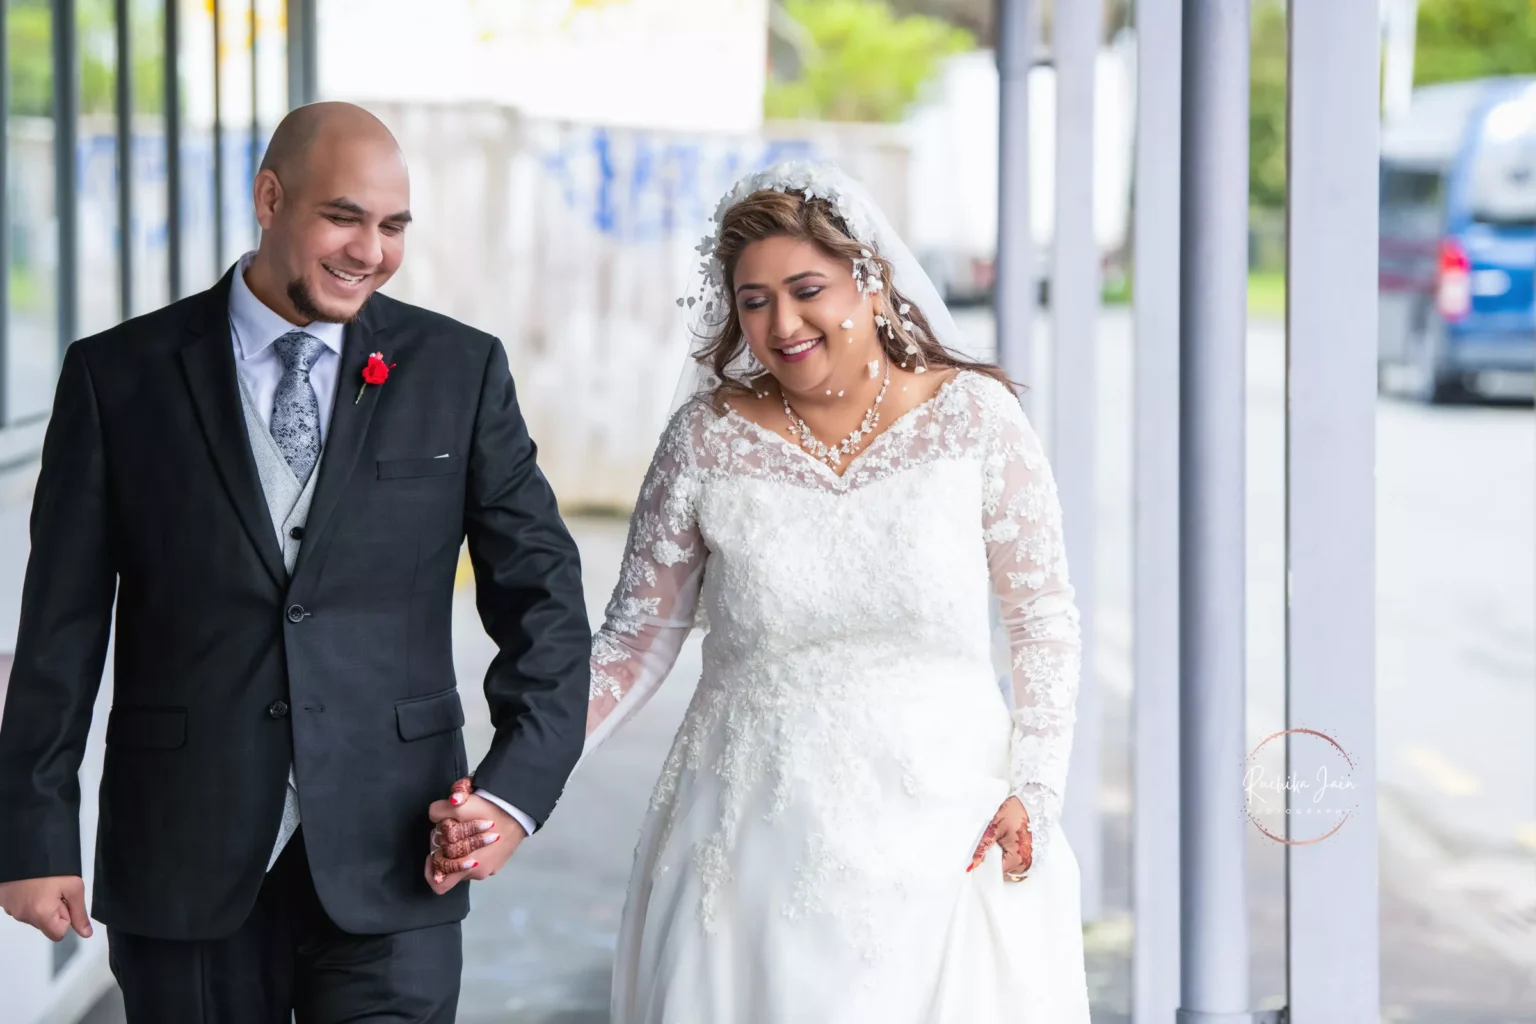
815,181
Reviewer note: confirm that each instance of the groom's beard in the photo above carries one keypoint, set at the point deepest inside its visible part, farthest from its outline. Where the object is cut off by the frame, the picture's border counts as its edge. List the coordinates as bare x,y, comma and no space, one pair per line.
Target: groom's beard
306,306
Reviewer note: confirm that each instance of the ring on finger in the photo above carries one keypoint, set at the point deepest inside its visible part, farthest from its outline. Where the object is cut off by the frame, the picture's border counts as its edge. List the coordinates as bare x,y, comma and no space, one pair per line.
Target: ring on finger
1015,877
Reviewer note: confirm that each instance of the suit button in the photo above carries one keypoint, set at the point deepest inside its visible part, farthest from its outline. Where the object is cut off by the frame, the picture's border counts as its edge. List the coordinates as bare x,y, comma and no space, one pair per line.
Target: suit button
278,709
296,613
297,533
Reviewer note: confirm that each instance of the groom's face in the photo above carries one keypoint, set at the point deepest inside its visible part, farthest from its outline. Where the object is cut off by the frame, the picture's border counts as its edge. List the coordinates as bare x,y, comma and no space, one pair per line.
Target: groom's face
338,232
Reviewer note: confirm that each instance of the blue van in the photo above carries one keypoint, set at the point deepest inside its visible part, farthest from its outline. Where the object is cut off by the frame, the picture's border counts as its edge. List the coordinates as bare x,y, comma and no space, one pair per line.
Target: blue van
1458,240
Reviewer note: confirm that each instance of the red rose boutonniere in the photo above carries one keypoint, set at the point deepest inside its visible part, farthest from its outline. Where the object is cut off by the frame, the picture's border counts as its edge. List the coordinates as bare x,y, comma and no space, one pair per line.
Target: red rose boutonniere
376,372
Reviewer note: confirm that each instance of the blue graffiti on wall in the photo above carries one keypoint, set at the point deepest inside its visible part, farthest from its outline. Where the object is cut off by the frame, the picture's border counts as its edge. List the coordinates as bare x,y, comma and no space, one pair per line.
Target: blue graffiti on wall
637,186
631,185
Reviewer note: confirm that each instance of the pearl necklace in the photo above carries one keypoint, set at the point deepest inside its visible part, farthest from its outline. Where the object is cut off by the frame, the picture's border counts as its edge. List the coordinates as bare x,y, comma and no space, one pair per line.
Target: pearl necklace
833,455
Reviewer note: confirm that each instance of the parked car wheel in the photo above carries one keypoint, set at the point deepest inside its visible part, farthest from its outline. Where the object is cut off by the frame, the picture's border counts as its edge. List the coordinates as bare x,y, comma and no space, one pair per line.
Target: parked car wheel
1423,376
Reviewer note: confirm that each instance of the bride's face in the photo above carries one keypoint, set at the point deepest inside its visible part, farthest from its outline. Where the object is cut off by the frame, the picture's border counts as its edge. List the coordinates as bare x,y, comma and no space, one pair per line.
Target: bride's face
792,300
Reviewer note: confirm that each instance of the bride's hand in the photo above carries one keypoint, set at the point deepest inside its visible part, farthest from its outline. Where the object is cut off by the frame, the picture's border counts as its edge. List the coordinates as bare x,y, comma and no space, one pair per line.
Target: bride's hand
1010,830
453,841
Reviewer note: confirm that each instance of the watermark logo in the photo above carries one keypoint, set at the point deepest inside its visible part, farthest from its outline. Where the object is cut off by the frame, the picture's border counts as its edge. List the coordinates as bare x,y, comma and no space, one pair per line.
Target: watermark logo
1306,805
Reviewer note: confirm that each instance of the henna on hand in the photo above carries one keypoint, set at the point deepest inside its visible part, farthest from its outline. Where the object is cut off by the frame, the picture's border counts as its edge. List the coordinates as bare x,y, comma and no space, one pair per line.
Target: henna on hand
453,840
1025,848
988,839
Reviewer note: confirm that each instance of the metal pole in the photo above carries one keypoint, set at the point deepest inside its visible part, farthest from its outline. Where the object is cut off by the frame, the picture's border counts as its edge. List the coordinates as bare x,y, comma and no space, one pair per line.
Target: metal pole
172,65
1213,315
1074,322
66,103
255,141
1014,288
303,36
1331,270
124,159
1155,542
218,143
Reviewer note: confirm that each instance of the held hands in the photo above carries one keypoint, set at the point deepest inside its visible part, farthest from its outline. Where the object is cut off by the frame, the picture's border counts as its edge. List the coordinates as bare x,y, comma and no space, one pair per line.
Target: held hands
51,905
464,825
1009,830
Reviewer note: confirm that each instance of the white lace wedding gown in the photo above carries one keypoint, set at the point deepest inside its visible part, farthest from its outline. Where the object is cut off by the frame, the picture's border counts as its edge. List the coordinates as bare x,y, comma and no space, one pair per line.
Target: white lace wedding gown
803,861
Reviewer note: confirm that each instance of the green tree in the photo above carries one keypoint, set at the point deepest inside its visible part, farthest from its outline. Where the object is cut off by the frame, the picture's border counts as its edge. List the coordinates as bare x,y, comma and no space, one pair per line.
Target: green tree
29,31
1266,106
860,61
1461,39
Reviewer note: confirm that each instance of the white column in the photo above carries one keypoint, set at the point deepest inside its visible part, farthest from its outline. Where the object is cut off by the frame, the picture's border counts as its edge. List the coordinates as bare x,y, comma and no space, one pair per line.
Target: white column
1074,292
1014,288
1330,497
1155,538
1213,311
1399,24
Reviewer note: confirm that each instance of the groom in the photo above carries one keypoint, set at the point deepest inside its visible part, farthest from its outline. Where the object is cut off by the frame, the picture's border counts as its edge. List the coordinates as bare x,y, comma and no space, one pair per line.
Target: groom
278,516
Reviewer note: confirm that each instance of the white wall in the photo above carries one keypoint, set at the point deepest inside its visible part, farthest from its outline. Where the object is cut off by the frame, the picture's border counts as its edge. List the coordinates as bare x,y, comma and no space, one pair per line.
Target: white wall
954,139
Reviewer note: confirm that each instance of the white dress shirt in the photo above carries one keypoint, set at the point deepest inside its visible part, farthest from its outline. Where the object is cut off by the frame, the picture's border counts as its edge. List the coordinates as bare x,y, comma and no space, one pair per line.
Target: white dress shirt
253,328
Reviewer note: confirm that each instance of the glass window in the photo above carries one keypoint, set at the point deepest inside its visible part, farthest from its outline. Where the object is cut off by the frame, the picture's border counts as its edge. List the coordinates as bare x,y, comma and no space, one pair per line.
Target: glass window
147,236
1504,164
99,291
1412,201
237,107
271,70
200,265
32,249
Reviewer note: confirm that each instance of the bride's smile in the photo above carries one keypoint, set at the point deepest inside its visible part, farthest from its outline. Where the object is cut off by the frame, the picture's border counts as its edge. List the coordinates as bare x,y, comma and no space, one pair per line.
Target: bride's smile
795,351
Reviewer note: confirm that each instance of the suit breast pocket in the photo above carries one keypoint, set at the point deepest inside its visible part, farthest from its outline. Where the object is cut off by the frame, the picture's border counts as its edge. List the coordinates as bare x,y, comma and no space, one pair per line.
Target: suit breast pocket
410,469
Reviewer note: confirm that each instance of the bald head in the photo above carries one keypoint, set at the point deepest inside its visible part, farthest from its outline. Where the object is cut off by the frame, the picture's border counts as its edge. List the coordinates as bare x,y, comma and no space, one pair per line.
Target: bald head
321,126
333,201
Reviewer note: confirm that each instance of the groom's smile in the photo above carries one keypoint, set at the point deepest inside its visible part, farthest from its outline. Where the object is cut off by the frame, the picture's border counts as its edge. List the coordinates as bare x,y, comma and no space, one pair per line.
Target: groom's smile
333,220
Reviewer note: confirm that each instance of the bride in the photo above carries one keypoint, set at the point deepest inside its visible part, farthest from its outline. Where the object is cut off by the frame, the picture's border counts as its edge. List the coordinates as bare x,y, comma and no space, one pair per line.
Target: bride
851,825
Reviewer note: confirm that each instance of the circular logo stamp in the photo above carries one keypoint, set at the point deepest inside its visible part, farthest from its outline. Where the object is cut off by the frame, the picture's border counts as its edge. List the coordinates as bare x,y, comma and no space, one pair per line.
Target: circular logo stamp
1312,800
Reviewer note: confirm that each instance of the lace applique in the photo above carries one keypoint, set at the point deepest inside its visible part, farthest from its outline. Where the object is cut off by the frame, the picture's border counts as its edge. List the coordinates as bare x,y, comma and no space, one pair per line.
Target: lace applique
1028,559
786,714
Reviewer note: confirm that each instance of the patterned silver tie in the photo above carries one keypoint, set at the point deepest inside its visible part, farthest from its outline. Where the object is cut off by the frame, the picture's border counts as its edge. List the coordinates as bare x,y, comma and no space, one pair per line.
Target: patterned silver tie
295,410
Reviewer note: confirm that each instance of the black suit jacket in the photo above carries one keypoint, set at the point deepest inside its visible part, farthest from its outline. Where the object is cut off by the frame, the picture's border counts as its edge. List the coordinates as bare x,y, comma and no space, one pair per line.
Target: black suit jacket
226,670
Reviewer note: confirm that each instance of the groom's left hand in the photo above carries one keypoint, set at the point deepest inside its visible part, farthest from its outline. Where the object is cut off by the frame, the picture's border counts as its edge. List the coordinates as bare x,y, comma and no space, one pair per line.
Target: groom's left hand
464,805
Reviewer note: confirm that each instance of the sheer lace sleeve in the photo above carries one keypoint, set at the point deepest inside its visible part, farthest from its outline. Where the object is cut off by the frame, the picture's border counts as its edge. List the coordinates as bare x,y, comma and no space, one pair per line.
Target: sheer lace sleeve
652,608
1027,557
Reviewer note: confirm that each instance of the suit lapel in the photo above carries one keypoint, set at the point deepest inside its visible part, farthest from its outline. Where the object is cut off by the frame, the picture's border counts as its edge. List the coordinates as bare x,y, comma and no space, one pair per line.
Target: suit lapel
350,417
208,360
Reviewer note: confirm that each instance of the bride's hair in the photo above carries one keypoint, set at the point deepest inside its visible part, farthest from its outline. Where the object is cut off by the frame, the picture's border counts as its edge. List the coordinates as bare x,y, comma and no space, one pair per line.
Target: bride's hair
772,214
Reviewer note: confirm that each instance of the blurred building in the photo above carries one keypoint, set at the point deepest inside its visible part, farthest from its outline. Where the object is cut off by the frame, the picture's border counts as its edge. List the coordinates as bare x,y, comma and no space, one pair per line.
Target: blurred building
691,65
133,128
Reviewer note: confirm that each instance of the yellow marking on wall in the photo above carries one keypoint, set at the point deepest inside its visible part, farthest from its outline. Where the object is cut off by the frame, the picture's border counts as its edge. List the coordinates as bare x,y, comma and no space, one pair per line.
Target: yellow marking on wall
465,576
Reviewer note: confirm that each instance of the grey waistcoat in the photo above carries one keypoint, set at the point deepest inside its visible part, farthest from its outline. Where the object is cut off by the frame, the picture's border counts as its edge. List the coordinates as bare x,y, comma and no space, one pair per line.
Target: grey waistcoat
288,503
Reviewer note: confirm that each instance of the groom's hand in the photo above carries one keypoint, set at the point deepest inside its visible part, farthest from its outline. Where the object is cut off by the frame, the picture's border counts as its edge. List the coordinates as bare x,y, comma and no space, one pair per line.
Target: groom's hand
51,905
458,831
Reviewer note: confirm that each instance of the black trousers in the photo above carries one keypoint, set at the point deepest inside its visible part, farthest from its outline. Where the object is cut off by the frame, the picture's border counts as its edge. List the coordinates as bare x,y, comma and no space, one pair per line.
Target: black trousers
289,962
